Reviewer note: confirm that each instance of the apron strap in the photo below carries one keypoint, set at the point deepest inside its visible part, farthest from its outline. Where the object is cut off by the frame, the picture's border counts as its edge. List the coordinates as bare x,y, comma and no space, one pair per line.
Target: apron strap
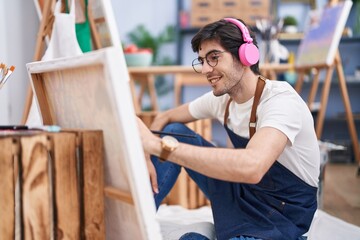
259,89
252,124
227,111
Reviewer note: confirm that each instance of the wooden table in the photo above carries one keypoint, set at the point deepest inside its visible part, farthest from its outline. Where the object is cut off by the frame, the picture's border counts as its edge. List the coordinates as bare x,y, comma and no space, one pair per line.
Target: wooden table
183,75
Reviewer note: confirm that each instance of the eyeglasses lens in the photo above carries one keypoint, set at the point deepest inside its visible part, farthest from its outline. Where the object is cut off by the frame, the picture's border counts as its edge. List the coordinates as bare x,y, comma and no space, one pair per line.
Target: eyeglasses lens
211,59
197,65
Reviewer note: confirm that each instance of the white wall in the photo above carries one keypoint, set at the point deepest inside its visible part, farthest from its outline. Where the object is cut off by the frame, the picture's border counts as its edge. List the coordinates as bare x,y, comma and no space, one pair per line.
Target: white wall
4,93
18,27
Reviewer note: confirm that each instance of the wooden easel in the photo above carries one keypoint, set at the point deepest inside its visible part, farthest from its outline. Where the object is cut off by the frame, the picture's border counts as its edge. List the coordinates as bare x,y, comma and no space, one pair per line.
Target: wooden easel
325,95
44,33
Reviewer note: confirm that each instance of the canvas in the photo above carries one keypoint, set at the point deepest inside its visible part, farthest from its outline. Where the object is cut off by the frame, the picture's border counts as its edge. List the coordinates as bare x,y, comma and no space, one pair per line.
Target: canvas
321,41
92,91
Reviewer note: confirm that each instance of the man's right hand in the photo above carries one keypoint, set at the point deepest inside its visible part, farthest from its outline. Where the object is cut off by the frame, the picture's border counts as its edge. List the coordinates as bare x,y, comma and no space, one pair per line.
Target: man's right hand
152,173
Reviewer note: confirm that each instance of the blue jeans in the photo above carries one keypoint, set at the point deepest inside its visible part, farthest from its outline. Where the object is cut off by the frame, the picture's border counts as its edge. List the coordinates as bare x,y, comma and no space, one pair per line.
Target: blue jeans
168,172
197,236
251,238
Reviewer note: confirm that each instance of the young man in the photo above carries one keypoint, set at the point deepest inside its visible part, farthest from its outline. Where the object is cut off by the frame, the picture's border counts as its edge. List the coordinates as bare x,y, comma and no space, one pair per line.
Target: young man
263,188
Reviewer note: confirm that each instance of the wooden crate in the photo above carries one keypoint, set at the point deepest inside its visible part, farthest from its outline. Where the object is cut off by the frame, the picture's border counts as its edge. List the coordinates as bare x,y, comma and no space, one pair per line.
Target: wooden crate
9,152
52,185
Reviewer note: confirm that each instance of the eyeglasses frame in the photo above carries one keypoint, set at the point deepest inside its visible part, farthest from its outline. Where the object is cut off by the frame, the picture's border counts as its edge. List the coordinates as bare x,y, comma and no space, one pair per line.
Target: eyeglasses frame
208,62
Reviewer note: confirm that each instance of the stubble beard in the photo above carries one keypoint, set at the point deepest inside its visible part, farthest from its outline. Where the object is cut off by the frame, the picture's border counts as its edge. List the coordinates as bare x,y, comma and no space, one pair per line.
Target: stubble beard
231,84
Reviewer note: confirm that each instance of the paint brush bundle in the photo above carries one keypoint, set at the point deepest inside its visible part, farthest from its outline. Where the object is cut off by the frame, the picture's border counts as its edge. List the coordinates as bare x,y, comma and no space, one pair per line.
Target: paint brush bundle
5,73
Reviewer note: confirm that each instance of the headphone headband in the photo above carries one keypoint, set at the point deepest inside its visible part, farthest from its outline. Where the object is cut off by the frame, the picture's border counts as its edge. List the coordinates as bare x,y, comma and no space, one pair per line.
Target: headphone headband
248,52
244,30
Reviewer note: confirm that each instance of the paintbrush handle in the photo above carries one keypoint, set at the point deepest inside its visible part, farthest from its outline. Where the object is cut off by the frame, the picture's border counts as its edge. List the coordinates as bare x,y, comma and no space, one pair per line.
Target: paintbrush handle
173,134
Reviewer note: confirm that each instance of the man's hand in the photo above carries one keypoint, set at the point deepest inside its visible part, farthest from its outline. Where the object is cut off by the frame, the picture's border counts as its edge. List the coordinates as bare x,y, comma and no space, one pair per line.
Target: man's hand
147,138
152,173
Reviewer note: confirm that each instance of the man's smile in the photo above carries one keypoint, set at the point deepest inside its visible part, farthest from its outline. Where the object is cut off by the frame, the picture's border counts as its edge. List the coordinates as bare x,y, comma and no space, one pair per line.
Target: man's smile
214,79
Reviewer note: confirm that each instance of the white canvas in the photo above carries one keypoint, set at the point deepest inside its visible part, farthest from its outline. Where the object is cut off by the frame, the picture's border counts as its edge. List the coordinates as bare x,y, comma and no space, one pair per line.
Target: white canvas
92,91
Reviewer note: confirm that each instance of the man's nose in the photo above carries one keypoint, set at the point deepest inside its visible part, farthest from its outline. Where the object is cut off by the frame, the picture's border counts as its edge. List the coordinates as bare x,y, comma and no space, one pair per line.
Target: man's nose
206,68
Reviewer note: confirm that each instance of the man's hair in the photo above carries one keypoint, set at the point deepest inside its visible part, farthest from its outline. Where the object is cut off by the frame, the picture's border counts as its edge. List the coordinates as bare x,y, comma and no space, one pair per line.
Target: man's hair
228,35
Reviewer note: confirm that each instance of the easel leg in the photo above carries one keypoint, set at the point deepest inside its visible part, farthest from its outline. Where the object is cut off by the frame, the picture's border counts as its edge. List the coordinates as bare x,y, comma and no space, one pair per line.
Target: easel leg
323,102
45,30
28,102
299,81
314,88
348,111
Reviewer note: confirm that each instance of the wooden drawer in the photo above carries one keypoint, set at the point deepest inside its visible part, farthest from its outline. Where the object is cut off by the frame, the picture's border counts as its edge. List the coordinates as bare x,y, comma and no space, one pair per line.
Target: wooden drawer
260,5
230,5
199,6
201,19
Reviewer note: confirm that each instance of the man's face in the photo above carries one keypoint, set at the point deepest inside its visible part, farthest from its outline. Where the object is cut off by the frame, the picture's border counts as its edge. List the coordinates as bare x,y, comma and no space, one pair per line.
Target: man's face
222,71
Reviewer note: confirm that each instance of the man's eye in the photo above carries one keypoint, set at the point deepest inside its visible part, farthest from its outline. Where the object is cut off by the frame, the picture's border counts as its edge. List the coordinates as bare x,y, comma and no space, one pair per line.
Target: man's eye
201,61
214,57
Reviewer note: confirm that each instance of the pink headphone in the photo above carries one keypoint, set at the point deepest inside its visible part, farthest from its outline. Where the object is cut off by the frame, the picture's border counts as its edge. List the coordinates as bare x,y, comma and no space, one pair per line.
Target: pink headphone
248,52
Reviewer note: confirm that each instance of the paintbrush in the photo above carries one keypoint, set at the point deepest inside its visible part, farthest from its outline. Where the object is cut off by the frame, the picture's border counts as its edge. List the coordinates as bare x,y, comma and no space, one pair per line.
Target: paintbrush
173,134
7,73
1,68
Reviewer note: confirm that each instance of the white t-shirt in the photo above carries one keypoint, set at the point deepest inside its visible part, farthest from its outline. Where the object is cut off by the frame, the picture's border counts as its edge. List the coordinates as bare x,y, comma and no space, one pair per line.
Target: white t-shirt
280,107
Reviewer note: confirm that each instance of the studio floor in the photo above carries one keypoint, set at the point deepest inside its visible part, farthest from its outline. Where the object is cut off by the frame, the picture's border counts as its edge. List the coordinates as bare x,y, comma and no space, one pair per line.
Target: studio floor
341,195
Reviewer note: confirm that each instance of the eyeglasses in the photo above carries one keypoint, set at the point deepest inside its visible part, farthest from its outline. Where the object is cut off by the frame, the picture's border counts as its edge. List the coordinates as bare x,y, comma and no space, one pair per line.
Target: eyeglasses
212,58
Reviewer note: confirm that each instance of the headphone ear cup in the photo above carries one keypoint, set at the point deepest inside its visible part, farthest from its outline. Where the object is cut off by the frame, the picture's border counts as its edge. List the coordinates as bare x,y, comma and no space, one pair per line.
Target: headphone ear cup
248,54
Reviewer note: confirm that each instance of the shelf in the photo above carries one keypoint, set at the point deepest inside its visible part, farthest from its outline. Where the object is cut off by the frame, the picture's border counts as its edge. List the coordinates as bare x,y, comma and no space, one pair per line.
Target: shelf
292,40
296,40
342,117
189,30
291,37
350,80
